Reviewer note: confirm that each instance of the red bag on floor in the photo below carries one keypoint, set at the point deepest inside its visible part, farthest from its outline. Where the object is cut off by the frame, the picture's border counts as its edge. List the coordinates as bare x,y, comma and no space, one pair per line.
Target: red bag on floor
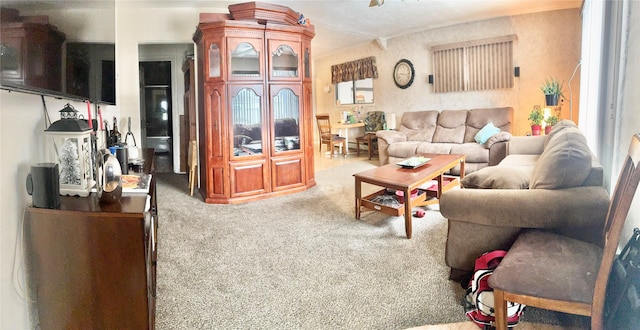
478,300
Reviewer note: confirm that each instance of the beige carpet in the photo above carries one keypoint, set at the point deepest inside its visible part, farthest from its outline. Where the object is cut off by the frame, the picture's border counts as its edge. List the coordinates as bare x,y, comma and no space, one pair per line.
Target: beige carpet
301,261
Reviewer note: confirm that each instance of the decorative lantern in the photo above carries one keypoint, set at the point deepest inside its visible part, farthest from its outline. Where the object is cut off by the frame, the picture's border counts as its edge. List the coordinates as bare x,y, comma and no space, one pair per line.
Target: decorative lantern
71,139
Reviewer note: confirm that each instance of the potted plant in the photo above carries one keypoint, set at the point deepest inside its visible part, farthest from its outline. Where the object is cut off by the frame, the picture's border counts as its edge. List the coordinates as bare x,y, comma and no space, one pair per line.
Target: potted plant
552,90
552,120
535,117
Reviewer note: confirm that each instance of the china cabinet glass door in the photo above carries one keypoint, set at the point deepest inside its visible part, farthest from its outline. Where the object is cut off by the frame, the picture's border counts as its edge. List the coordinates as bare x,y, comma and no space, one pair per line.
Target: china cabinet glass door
286,115
247,123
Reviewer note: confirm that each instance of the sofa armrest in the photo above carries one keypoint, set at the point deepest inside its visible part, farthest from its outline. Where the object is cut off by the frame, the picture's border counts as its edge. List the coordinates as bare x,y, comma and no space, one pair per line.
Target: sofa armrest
529,145
390,136
482,220
497,152
385,138
527,208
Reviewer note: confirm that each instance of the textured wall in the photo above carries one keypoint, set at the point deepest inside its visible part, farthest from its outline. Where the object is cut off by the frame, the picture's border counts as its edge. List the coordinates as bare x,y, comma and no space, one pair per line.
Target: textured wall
22,144
548,44
630,113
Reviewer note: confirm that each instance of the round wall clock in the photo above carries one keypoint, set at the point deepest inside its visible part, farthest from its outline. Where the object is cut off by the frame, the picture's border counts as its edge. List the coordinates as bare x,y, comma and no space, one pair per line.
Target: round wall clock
403,73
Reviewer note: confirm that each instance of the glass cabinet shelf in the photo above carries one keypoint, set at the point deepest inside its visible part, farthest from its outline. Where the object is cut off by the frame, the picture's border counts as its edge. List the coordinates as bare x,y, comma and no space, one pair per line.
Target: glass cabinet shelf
245,61
284,62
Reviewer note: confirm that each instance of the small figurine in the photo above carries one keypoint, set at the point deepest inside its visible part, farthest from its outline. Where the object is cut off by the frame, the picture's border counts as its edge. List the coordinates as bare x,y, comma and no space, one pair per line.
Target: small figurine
303,20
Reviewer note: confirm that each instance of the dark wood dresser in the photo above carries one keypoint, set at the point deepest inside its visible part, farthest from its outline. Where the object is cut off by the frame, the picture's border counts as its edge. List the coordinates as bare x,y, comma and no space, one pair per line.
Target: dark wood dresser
92,265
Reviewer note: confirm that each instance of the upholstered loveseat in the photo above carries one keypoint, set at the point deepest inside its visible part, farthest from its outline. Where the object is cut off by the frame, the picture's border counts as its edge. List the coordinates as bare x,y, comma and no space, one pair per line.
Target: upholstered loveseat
551,182
448,132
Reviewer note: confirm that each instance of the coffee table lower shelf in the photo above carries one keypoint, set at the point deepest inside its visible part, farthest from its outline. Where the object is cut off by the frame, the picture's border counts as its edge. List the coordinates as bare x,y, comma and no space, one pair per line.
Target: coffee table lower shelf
423,197
367,202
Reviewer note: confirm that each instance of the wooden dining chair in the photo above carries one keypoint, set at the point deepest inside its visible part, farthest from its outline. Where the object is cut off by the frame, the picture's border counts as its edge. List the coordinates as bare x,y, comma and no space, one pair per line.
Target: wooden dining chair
328,138
554,272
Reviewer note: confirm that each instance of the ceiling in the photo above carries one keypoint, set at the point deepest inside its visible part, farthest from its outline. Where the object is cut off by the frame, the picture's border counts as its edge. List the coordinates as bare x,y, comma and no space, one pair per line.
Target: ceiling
342,24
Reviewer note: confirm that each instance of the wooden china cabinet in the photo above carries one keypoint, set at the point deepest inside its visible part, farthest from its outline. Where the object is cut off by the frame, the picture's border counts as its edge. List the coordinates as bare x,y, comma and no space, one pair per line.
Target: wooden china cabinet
254,103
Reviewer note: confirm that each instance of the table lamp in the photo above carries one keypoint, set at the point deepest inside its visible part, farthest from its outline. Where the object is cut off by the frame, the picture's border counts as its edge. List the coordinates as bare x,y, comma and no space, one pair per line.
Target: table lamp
70,138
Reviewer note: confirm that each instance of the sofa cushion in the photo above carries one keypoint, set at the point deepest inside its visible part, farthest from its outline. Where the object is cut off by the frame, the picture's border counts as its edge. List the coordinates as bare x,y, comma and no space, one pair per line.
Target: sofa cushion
434,148
451,126
485,133
558,127
497,177
520,160
475,153
529,145
478,118
419,125
565,162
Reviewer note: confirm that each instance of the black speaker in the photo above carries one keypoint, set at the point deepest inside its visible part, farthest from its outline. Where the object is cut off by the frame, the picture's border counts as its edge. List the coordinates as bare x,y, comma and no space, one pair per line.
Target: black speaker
431,79
122,154
43,184
516,71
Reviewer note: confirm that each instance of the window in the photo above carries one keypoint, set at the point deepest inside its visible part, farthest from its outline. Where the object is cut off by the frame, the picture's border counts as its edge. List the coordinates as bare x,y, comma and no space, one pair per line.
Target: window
354,81
474,65
354,92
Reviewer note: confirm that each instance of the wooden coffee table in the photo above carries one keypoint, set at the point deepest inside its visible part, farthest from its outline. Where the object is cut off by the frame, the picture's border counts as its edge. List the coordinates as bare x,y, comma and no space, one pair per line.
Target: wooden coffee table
394,177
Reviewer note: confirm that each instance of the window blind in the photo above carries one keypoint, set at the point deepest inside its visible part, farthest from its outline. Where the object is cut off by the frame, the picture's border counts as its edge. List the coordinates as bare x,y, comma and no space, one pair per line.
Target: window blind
474,65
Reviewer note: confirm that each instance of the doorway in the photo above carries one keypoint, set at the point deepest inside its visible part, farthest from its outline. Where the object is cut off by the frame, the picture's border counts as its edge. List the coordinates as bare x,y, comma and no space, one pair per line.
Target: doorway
161,72
156,111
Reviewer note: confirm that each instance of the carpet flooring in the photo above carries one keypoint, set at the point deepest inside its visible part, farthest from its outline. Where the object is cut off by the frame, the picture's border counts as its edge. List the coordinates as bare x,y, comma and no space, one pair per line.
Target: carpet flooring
300,261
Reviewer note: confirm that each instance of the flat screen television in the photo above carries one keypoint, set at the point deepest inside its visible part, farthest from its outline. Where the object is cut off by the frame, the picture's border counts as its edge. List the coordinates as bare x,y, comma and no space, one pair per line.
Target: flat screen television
90,71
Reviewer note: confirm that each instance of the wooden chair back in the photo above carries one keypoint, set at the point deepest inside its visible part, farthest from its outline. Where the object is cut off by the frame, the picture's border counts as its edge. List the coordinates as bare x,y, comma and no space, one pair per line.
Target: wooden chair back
325,135
324,125
618,210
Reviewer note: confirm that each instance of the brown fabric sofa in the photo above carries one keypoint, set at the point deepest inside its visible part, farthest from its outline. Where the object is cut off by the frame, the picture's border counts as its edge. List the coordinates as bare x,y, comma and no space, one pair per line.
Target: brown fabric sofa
448,132
551,182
